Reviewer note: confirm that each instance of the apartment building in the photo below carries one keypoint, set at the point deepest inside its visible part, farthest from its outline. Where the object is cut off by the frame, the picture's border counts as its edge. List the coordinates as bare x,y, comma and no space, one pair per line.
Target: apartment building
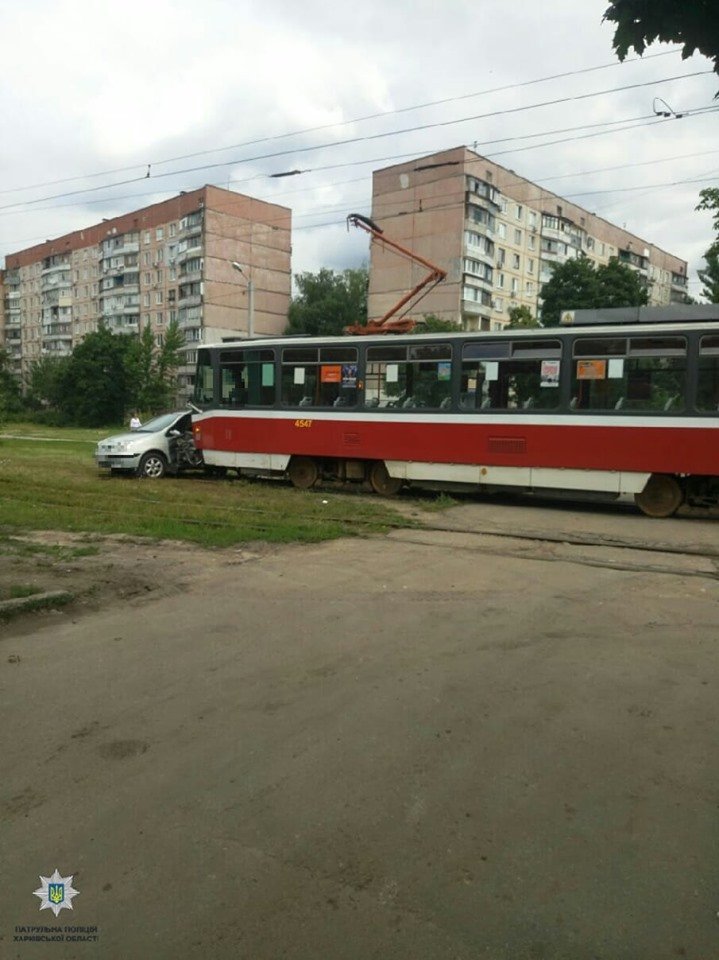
168,261
497,235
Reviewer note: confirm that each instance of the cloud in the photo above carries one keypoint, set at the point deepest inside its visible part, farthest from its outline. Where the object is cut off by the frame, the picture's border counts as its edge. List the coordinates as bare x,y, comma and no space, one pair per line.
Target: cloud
95,87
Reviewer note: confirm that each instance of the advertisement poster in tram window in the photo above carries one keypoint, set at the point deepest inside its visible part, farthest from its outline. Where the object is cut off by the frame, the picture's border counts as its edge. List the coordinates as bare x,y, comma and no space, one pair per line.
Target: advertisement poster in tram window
331,373
444,370
349,374
550,373
591,369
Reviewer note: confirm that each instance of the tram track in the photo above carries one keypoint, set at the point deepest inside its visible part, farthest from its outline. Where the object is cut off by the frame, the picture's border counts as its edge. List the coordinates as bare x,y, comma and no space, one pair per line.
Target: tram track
259,519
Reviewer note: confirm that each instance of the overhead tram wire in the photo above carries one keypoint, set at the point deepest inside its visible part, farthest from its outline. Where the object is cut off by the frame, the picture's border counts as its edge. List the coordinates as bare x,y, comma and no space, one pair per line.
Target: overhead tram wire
141,165
651,121
378,136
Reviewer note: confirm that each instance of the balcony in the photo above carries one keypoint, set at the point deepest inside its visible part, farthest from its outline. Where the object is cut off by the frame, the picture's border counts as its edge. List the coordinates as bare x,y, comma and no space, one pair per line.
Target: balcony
54,268
192,276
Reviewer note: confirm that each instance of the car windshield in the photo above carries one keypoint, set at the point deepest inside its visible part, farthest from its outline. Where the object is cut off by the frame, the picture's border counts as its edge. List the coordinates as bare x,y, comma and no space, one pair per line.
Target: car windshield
158,423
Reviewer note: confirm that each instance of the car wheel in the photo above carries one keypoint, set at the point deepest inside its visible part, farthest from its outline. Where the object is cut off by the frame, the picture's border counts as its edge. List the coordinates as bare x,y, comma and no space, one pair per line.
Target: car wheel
152,465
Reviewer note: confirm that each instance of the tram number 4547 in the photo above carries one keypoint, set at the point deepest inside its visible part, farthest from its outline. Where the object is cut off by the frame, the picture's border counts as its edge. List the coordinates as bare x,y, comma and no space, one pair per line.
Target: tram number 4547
303,423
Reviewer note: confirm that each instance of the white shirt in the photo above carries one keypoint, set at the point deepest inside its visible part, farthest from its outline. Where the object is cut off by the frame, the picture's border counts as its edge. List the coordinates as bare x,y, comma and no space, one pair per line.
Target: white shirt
135,423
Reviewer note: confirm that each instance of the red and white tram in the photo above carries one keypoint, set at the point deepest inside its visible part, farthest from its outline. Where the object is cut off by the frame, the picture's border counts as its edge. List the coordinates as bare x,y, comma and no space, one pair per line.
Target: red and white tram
606,407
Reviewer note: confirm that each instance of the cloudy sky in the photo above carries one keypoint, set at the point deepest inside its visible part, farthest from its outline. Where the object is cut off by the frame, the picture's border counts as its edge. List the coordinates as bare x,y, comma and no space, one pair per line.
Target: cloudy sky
231,91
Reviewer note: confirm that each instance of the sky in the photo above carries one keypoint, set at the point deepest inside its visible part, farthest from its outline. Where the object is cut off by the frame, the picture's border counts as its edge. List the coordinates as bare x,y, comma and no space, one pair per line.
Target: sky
230,92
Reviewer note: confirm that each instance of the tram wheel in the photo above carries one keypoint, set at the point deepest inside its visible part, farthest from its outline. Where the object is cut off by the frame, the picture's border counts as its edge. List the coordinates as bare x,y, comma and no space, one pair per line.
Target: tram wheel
303,472
661,497
381,482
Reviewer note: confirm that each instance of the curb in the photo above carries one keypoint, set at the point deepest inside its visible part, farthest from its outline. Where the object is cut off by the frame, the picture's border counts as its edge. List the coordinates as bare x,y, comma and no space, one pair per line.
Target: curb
36,601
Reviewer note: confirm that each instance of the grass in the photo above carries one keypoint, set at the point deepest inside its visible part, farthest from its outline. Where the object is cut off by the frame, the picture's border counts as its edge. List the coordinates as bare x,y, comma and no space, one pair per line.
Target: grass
56,486
85,435
19,590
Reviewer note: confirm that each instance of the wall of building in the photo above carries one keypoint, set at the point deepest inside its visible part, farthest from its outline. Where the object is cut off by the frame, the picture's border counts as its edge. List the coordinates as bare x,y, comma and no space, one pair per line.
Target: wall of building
169,261
497,234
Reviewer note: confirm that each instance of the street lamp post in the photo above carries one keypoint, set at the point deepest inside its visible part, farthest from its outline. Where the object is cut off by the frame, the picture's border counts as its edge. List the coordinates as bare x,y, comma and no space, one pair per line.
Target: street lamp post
250,300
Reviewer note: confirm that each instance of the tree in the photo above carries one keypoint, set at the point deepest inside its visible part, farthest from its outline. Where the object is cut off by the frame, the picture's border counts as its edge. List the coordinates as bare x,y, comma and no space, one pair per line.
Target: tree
620,286
693,23
710,275
573,285
579,285
709,200
431,323
328,301
10,400
151,368
520,318
95,384
45,382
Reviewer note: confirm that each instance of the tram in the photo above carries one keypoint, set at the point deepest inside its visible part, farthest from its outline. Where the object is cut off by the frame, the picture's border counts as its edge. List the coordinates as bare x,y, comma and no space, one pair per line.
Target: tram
618,402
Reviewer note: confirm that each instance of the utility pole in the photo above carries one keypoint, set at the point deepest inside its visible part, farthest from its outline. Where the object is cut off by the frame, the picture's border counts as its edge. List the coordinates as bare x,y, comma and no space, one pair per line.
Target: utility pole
250,299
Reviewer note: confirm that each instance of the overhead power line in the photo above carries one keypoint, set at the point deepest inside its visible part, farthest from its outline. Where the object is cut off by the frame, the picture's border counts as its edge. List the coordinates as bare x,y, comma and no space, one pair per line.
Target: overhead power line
375,136
344,123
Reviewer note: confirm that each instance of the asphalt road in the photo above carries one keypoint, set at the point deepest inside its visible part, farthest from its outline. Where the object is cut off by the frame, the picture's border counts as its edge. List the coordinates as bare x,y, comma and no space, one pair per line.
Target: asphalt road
435,746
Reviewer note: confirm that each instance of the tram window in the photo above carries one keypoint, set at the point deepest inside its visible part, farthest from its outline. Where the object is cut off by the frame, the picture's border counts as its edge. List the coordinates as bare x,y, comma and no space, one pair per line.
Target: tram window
431,351
299,385
204,389
324,384
492,350
708,375
509,385
635,383
610,347
536,348
666,346
411,385
248,380
299,355
387,353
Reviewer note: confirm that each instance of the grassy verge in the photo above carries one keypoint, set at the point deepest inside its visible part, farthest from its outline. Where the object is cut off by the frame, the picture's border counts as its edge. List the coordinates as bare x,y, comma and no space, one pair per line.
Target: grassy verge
56,486
21,428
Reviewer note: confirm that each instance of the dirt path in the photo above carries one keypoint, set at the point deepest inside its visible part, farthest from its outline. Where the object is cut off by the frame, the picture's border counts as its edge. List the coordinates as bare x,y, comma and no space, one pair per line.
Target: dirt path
468,746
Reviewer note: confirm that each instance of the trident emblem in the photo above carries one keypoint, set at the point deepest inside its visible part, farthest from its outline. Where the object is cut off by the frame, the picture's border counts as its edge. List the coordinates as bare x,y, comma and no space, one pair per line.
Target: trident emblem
56,892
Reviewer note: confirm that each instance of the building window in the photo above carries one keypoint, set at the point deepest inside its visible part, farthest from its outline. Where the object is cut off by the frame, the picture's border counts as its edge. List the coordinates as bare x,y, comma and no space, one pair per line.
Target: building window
146,299
159,233
500,256
516,262
530,266
501,231
173,229
158,296
518,212
518,236
532,242
500,281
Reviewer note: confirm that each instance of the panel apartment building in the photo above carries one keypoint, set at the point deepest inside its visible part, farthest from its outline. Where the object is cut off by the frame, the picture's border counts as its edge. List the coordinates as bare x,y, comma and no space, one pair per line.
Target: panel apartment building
171,260
497,235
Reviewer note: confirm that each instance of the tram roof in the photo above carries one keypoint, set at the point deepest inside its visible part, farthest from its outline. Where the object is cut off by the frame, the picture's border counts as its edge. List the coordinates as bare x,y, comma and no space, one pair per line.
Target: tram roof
596,329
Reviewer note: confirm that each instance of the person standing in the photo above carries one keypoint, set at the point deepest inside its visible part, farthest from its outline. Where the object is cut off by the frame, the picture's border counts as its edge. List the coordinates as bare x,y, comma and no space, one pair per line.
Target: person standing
135,422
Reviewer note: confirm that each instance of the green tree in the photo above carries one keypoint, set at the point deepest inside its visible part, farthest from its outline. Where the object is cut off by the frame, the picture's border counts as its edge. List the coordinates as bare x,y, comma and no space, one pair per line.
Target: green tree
693,23
521,317
152,370
328,301
573,285
710,275
45,382
96,384
431,323
709,200
10,398
579,285
620,286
